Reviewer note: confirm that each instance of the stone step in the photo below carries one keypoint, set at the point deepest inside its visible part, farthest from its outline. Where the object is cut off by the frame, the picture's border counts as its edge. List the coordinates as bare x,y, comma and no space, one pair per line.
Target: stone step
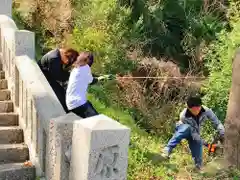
2,74
5,95
13,153
11,134
6,106
3,84
8,119
16,171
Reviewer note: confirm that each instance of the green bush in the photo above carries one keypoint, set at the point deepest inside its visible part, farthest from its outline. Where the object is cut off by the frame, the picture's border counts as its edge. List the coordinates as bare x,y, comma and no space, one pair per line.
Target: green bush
100,28
174,28
218,59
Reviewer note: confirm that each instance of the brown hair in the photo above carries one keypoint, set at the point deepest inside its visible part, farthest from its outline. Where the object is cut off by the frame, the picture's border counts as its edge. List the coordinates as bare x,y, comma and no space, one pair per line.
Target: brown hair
71,55
82,59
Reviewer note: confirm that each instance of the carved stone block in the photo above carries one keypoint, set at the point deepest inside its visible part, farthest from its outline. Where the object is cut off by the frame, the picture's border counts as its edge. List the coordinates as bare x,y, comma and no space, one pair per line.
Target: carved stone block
99,149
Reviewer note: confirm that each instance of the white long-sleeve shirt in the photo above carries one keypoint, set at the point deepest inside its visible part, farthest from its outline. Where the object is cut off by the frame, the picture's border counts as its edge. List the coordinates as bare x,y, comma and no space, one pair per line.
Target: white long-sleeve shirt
80,78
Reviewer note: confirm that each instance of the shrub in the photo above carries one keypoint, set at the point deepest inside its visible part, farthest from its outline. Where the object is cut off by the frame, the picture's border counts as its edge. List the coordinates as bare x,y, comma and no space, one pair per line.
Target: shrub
218,59
174,28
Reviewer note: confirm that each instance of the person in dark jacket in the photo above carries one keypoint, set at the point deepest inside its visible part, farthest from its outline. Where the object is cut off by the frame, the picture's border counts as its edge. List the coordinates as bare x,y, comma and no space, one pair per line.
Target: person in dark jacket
55,66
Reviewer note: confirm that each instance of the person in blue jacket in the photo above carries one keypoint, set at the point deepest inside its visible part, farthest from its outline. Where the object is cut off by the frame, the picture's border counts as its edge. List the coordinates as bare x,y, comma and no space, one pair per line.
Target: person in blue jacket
188,127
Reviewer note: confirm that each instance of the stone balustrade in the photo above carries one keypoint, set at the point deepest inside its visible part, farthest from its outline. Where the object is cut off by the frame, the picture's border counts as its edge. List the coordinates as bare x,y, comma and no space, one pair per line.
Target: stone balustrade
99,144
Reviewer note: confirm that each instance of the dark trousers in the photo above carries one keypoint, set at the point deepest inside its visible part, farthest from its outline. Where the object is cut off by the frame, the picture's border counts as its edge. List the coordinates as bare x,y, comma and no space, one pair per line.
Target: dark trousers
60,93
58,90
86,110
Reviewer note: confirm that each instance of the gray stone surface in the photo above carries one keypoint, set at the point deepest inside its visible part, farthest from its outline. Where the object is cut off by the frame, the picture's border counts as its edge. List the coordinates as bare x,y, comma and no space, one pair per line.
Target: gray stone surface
16,171
13,44
47,107
44,99
99,149
25,43
37,94
60,136
6,7
7,30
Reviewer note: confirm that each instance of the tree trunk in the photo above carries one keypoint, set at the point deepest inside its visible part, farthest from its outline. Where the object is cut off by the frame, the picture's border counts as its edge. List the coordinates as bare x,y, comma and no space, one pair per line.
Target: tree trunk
232,123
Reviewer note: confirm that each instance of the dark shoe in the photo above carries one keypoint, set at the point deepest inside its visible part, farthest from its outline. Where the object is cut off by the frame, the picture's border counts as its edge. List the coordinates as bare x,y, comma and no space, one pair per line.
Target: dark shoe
198,169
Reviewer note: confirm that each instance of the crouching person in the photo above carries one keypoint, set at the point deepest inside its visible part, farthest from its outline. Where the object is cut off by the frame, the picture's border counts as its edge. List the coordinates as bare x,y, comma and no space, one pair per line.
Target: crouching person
191,118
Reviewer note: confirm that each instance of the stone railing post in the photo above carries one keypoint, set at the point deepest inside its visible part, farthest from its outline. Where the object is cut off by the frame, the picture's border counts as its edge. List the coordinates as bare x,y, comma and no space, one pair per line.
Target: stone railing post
24,45
60,138
99,149
6,7
5,22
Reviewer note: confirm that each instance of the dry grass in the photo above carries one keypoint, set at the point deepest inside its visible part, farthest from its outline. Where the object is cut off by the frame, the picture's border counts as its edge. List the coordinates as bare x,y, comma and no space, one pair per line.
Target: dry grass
215,5
157,99
54,15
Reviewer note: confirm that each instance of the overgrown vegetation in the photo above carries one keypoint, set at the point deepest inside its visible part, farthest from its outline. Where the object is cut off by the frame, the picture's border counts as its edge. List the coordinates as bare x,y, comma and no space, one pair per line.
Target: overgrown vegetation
219,57
168,38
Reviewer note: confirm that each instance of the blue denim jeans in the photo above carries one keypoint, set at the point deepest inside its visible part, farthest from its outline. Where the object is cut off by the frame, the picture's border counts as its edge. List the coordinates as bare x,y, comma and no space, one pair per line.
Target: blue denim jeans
183,131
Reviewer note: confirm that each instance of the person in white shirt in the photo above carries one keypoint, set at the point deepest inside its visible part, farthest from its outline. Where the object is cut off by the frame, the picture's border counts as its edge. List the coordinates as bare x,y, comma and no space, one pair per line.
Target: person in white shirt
76,94
80,78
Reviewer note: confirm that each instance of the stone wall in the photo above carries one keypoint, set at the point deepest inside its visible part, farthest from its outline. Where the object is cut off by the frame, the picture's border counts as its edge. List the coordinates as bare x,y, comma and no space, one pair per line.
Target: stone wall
98,146
33,98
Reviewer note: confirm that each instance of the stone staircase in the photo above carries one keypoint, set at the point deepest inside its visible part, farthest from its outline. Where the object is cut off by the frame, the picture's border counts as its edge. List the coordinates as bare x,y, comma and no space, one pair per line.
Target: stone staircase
13,151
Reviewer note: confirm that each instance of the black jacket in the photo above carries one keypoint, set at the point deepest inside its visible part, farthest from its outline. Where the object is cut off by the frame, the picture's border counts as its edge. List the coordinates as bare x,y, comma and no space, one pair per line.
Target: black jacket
52,67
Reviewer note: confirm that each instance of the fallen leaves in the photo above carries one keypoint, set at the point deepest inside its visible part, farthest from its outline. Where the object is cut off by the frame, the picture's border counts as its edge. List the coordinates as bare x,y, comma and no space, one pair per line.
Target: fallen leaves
27,164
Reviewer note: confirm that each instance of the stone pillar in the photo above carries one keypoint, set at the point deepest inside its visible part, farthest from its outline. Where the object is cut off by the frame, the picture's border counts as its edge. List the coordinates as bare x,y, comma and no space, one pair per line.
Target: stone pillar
99,149
60,138
5,22
6,7
24,45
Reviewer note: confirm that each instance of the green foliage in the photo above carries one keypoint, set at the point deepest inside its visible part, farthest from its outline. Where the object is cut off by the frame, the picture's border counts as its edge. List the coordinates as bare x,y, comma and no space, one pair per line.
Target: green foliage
218,59
173,28
169,28
144,160
99,27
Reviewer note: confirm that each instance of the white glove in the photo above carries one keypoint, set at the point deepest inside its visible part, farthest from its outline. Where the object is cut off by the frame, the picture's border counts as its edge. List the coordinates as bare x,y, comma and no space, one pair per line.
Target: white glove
179,123
103,77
